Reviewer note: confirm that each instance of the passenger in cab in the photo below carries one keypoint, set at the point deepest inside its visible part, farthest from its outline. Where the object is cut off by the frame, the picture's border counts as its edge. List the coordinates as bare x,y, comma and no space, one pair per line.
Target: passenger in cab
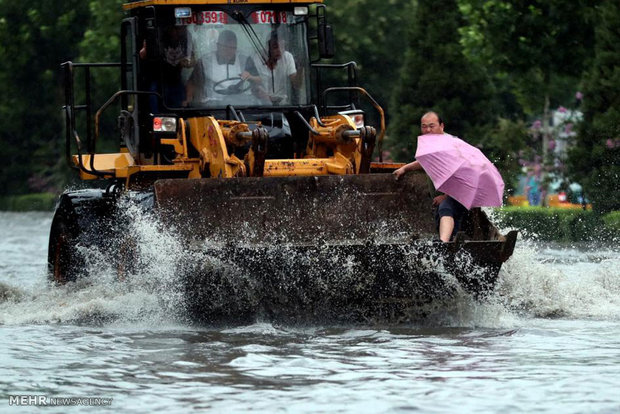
176,54
278,73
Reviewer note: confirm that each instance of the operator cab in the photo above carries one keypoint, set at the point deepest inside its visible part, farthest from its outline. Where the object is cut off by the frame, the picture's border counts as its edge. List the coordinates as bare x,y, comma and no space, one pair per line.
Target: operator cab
209,57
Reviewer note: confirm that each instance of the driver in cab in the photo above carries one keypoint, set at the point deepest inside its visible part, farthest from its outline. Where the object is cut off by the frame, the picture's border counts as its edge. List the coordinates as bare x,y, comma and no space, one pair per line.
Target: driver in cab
221,75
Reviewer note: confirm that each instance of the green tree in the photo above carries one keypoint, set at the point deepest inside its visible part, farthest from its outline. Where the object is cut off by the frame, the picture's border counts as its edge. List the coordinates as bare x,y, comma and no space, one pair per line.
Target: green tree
101,41
436,75
539,42
372,33
34,39
595,160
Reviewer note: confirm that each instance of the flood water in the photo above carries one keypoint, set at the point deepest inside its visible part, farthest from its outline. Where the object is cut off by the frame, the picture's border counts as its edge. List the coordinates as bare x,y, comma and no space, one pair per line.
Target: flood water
548,341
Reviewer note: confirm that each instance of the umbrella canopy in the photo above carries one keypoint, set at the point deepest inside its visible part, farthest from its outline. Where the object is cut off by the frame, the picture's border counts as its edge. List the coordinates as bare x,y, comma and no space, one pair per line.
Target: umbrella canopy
460,170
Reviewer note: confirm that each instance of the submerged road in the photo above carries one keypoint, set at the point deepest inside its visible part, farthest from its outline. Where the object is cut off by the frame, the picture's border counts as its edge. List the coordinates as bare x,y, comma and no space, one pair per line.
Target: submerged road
548,341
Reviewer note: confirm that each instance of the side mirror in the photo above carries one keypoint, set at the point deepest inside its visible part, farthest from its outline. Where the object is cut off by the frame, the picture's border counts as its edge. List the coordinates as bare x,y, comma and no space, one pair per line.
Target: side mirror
326,41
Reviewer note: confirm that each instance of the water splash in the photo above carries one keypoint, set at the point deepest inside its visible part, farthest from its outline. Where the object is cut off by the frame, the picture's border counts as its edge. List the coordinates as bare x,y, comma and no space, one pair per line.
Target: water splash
566,281
148,294
538,281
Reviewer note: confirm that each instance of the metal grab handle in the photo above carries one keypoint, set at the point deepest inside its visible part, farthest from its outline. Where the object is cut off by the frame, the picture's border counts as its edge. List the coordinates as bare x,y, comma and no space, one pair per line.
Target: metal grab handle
302,119
372,101
109,102
71,109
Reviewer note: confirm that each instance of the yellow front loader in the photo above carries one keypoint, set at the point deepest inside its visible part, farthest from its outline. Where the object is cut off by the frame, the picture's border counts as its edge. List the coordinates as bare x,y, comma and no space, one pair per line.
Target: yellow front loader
232,139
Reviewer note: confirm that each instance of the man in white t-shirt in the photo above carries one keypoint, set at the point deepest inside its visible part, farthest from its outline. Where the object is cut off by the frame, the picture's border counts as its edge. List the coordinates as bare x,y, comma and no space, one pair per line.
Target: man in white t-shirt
222,74
277,72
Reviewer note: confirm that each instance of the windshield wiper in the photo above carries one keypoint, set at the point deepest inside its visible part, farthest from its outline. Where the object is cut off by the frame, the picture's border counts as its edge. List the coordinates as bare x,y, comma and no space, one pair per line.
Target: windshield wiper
251,34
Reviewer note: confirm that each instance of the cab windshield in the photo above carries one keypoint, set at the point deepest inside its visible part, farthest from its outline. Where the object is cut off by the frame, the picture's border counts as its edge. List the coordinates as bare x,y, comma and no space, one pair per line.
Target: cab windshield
213,59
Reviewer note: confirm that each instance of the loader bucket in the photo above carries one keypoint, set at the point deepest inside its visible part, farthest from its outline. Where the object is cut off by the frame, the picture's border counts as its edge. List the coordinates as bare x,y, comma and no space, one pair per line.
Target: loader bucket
308,211
330,248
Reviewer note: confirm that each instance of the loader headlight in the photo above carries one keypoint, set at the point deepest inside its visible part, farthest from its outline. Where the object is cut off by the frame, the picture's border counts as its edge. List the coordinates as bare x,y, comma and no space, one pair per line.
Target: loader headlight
357,115
164,124
182,12
358,119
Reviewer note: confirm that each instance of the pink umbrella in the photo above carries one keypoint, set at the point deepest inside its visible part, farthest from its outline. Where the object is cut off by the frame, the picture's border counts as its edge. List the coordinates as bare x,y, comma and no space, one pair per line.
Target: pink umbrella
460,170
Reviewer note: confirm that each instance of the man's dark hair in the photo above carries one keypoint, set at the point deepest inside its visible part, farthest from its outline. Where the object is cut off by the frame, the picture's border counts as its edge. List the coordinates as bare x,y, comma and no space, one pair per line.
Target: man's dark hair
433,113
227,37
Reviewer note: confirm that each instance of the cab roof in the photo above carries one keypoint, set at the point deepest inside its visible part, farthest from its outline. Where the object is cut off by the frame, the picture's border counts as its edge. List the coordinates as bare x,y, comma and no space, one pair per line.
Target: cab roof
144,3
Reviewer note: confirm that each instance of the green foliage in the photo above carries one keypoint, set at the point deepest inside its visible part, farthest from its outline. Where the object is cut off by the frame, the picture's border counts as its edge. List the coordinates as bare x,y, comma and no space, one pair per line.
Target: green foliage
537,38
29,202
485,65
612,220
549,224
544,45
437,76
595,160
502,146
101,41
34,39
372,33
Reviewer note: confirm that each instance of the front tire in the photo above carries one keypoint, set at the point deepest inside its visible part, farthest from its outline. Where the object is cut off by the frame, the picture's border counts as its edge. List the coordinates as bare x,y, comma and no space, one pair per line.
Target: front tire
82,218
62,260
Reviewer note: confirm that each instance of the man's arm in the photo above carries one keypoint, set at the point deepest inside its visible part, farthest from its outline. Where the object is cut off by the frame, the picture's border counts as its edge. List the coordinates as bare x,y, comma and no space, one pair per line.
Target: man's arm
257,82
196,80
412,166
294,73
251,73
